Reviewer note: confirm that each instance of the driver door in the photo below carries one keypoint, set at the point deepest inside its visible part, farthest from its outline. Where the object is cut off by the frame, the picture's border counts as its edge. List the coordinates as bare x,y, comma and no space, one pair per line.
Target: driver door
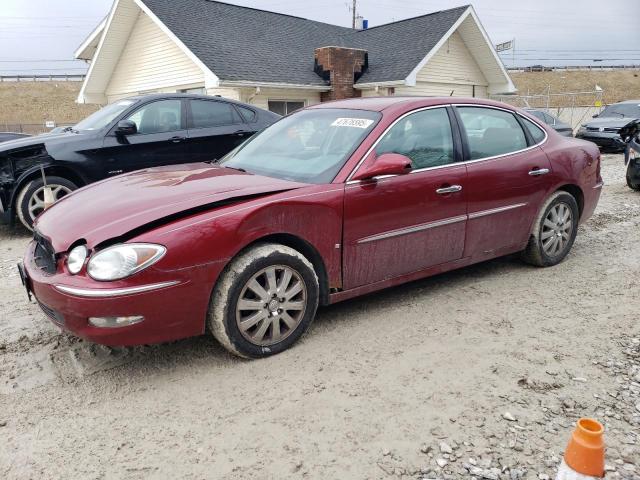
161,139
401,224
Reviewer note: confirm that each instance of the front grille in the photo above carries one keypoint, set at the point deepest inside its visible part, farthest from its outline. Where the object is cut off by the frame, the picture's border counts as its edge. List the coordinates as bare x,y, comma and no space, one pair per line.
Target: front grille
52,314
43,255
605,129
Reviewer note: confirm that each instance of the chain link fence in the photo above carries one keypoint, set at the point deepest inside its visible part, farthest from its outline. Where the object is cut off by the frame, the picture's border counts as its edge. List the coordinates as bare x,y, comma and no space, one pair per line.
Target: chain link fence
573,108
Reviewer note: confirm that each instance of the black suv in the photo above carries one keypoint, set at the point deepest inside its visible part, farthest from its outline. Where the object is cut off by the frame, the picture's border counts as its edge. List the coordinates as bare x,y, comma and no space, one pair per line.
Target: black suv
129,134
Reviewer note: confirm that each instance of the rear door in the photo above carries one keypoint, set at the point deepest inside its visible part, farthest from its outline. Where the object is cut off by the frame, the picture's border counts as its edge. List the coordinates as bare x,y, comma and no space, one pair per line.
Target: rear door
215,128
507,179
161,139
401,224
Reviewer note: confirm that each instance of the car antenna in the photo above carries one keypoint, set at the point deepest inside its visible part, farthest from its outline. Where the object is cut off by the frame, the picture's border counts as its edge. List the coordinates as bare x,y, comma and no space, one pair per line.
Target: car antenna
48,193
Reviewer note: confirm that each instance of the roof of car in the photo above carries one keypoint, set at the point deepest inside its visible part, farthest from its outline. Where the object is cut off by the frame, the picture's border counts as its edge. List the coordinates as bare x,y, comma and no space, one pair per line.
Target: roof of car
278,48
152,96
628,101
378,104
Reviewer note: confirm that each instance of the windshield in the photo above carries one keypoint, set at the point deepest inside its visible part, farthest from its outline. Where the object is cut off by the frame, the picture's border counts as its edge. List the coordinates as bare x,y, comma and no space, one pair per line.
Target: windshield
309,146
104,116
620,110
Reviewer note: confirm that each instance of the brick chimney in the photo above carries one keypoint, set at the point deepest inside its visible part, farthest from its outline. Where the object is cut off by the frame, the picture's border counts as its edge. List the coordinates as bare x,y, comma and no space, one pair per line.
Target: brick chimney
342,67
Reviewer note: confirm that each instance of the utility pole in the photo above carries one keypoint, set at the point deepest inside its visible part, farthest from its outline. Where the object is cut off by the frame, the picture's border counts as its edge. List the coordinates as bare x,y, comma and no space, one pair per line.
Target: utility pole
353,13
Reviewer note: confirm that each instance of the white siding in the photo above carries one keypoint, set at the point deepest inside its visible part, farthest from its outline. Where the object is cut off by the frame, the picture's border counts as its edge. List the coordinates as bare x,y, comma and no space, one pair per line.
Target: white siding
451,69
452,64
151,61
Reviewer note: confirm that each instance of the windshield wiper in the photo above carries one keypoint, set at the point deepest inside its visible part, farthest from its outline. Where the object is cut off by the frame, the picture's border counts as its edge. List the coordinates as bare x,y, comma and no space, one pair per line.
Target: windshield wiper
237,168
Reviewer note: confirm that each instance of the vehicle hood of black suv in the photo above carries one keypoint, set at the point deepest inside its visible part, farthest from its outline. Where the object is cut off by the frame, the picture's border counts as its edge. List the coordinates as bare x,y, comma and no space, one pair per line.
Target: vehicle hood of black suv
608,122
49,141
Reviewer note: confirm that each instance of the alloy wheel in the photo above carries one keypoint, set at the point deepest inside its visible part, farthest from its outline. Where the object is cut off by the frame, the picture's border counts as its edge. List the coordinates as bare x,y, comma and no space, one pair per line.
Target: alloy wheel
271,305
36,202
557,229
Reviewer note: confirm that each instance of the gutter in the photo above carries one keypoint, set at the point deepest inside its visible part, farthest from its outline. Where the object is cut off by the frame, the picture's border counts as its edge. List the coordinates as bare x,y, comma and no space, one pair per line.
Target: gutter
389,83
249,84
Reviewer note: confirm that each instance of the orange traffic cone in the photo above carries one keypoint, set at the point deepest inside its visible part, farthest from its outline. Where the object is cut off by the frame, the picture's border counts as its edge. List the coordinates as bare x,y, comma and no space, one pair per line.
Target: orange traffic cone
584,455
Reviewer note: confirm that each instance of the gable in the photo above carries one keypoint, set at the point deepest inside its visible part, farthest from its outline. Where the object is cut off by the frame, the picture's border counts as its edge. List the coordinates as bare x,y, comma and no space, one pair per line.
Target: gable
452,63
151,60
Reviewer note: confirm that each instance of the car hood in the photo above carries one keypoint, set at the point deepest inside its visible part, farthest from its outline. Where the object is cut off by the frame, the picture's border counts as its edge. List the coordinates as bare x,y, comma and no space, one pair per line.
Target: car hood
609,122
116,206
47,139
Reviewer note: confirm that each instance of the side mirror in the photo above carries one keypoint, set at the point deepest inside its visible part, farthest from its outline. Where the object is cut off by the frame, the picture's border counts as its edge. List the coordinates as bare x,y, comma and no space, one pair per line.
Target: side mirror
126,127
385,164
594,116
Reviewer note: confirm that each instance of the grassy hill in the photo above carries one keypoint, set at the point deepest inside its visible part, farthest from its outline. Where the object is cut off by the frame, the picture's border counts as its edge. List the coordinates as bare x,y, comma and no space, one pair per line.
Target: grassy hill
37,102
617,85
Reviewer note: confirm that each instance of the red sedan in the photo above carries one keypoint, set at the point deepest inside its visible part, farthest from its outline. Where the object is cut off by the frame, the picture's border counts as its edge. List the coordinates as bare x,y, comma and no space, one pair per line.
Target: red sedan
332,202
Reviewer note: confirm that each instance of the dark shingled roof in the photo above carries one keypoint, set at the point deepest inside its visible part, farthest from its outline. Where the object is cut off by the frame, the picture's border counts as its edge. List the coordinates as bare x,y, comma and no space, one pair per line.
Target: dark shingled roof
246,44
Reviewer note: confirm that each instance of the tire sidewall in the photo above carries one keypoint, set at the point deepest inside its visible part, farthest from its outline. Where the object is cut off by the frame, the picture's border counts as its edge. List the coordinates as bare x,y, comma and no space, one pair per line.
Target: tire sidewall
23,198
241,344
569,201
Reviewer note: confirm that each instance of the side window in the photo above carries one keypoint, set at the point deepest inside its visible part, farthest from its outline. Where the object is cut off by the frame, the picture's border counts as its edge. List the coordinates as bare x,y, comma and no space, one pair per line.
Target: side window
425,137
209,113
247,114
549,120
536,132
491,132
158,117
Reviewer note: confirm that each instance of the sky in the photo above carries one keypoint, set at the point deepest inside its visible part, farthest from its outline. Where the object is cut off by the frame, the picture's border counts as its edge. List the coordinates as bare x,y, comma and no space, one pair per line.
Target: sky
40,36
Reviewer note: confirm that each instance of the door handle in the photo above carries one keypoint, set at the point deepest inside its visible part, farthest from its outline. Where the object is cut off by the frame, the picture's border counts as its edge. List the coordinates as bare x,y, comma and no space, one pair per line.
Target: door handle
177,139
539,171
451,189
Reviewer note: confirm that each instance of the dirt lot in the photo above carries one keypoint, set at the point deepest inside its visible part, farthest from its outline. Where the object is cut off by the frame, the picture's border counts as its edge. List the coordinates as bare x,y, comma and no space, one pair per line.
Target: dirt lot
480,372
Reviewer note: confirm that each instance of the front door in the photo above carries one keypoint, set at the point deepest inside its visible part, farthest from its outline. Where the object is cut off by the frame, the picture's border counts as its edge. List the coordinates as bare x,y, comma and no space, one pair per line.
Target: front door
402,224
507,179
215,128
161,139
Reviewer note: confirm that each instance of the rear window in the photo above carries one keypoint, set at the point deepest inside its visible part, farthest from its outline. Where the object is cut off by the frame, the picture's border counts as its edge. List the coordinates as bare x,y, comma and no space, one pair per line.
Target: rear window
491,132
536,132
210,113
248,115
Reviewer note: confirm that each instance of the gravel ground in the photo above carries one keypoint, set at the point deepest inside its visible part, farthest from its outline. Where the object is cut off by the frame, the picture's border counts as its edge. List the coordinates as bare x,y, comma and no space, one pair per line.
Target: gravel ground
478,373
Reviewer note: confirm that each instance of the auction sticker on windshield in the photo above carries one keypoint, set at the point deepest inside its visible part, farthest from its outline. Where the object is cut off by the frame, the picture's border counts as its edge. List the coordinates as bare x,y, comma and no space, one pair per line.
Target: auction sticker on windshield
352,122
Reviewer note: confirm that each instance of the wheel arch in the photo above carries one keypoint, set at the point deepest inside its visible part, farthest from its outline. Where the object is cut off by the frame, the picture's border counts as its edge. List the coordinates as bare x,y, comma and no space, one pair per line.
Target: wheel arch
576,192
306,249
50,170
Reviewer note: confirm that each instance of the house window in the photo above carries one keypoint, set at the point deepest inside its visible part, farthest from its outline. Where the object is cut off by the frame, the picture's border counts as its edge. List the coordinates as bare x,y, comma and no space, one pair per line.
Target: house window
196,91
285,107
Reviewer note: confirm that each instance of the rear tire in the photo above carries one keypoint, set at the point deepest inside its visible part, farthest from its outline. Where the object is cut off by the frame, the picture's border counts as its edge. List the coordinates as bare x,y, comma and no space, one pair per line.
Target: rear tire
554,231
29,202
264,301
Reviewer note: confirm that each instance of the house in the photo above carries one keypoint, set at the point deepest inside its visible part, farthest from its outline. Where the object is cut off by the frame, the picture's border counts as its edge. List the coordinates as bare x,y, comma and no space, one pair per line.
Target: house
281,62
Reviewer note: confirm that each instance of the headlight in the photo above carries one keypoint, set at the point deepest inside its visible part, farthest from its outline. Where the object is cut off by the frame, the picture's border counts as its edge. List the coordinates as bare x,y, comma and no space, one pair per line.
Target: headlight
76,259
123,260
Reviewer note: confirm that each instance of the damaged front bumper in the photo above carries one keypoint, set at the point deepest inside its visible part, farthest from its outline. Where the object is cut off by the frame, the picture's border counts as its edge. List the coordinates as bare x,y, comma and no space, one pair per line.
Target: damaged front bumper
157,305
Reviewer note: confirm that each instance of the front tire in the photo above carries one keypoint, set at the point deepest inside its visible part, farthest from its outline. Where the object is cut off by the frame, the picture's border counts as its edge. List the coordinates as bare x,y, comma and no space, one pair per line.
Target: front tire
264,301
30,201
554,231
630,183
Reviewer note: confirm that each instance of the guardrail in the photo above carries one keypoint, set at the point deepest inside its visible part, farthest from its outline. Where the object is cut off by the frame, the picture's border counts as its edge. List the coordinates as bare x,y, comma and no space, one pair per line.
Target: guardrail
42,78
